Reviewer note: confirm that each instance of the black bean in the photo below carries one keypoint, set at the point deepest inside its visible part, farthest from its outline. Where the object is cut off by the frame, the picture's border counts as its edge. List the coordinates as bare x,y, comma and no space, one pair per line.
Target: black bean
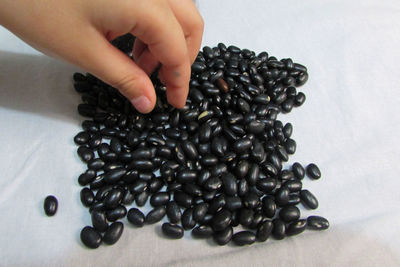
99,221
289,213
198,67
229,184
313,171
286,175
141,198
308,199
114,175
253,174
186,176
243,187
183,199
251,201
242,145
223,237
190,150
159,199
96,164
193,190
86,110
128,197
219,169
290,146
293,185
269,207
116,214
113,234
317,223
136,217
172,230
141,165
113,198
50,205
173,212
242,169
95,141
299,99
296,227
233,203
244,238
187,219
87,197
87,177
246,217
97,206
264,230
266,185
298,170
85,154
282,196
279,229
221,220
202,231
213,183
155,215
90,237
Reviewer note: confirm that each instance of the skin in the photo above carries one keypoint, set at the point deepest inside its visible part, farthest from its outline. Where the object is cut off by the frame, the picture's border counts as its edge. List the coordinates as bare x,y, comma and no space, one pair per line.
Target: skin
168,32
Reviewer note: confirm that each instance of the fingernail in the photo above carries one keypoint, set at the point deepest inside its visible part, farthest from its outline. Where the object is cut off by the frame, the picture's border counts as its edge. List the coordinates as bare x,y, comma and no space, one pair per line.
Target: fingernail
142,104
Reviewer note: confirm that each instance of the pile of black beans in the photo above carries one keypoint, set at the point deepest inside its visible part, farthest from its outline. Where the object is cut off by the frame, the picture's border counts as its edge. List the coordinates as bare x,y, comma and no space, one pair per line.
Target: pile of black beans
215,164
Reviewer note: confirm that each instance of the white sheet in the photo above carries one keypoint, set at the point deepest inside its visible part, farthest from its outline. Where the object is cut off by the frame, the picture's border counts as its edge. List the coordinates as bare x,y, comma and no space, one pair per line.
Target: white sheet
349,126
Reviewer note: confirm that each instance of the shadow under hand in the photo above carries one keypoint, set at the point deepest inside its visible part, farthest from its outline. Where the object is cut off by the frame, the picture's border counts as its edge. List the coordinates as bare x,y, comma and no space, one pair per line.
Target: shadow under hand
38,84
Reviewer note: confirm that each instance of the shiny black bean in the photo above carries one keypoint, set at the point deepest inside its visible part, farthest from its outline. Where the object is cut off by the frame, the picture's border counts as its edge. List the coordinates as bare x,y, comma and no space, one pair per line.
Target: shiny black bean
141,198
173,212
282,196
155,184
141,165
97,206
266,185
159,199
90,237
186,176
293,199
223,237
136,217
269,207
219,146
190,150
114,175
96,164
116,213
242,145
286,175
221,220
308,199
99,220
187,219
141,154
251,201
313,171
243,106
244,238
256,127
296,227
85,154
87,197
198,67
279,229
183,199
233,203
172,230
290,146
87,177
238,129
246,217
97,182
138,186
113,234
289,213
253,174
202,231
299,99
243,187
128,197
264,230
317,223
242,168
293,185
298,170
95,141
155,215
113,198
50,205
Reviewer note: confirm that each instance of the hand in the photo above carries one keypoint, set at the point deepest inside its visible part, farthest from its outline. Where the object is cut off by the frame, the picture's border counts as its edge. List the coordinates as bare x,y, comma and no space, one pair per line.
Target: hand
168,32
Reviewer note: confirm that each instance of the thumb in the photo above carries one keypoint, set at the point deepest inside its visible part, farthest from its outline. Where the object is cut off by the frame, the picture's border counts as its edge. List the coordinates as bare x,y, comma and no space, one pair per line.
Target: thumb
109,64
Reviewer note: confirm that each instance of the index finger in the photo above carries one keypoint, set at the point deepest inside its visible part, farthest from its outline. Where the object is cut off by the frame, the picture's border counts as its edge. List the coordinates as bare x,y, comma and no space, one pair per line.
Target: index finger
160,30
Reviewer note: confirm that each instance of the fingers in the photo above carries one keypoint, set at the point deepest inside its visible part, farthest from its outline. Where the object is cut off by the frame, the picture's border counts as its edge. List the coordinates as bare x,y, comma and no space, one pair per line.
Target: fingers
163,34
191,22
106,62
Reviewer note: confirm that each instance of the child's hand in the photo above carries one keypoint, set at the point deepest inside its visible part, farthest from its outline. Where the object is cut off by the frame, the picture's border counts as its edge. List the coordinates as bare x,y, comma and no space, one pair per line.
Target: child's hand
79,31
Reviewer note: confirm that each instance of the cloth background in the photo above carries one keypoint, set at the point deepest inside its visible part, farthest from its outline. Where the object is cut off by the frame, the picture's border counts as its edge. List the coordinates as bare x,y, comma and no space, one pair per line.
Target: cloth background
349,125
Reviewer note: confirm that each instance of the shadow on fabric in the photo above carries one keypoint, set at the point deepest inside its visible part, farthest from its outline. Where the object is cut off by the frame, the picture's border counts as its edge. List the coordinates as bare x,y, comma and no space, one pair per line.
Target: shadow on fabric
38,84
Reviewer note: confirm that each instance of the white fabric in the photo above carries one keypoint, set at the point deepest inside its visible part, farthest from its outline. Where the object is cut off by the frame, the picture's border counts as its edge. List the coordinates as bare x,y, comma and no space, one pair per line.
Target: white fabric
349,126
